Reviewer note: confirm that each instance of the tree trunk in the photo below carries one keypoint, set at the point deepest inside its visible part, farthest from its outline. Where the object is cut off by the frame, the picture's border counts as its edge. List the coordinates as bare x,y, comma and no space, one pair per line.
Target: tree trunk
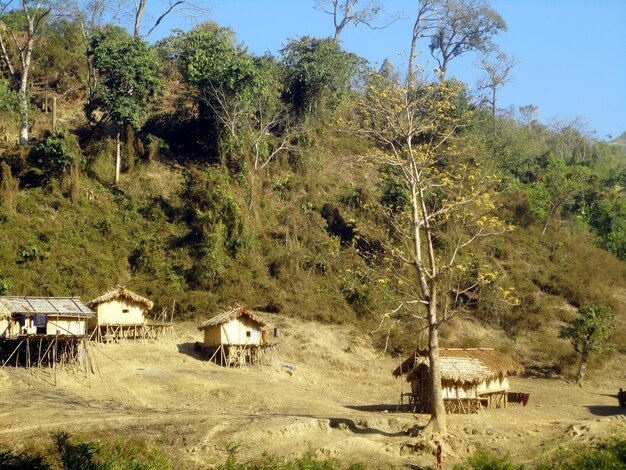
23,99
138,16
581,370
26,58
437,421
118,157
428,289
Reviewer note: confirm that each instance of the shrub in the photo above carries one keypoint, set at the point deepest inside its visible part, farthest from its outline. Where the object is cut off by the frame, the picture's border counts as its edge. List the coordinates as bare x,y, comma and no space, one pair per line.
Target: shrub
9,460
484,459
269,462
609,455
55,154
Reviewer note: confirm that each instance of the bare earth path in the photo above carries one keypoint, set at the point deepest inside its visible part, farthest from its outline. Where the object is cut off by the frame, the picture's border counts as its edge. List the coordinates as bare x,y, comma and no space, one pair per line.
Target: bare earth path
335,403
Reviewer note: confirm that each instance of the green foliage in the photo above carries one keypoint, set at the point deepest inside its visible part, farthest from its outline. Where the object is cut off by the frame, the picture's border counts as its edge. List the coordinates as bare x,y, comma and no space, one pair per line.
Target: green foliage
590,329
9,100
122,454
59,58
235,92
395,195
607,217
5,286
269,462
319,74
217,230
71,454
54,155
483,459
608,455
9,460
210,58
129,76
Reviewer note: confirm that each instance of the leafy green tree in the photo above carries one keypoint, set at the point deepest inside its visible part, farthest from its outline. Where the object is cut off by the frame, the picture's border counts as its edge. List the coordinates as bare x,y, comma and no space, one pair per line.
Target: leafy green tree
588,332
211,57
559,184
129,78
239,95
227,81
607,217
319,74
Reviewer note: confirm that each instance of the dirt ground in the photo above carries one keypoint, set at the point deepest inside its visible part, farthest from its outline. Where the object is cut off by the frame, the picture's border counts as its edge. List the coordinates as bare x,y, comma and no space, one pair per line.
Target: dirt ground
337,398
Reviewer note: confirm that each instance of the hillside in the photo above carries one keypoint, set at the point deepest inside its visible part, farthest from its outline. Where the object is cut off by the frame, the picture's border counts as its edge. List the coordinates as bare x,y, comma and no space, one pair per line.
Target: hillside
619,140
137,234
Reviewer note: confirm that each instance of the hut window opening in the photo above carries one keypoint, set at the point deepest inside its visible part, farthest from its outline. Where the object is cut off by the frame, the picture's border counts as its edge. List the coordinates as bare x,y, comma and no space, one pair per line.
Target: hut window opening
125,310
248,334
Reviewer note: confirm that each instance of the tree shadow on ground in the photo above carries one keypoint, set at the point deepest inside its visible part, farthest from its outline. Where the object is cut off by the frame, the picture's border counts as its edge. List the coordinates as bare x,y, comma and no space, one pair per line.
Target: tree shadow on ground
360,427
374,408
552,371
605,410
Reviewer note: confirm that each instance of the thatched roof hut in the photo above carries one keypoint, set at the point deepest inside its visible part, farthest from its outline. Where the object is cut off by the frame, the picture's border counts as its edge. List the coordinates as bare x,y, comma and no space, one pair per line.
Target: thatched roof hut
232,314
464,364
120,307
237,325
479,374
121,292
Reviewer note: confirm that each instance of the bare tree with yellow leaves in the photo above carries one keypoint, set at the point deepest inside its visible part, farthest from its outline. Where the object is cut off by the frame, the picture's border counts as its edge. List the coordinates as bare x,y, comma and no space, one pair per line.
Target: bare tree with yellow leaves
447,201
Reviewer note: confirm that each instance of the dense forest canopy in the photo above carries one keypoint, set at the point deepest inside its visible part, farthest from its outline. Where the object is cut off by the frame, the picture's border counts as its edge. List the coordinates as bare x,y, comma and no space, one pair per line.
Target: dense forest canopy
288,181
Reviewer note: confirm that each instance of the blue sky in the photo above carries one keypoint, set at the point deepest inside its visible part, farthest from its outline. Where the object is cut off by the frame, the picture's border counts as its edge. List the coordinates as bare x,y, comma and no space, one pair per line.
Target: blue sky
571,54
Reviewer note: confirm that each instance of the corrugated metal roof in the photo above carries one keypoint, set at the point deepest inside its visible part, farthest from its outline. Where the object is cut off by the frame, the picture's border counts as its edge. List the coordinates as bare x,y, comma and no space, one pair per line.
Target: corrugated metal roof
63,306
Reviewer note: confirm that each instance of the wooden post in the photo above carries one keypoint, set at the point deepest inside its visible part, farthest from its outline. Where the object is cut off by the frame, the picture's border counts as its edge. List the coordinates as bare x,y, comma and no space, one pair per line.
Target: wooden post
54,357
54,114
118,157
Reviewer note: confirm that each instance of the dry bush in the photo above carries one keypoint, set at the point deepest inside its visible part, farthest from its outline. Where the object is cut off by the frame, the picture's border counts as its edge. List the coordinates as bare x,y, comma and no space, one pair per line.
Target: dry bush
9,188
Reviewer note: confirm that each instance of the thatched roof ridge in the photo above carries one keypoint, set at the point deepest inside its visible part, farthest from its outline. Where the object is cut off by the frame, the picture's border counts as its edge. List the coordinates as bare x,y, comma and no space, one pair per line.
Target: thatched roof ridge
457,370
231,314
28,306
121,291
495,362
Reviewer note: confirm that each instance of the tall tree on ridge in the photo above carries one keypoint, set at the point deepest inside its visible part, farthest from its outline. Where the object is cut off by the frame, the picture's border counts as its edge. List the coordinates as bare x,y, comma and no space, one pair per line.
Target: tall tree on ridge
345,12
168,7
498,68
465,25
22,26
